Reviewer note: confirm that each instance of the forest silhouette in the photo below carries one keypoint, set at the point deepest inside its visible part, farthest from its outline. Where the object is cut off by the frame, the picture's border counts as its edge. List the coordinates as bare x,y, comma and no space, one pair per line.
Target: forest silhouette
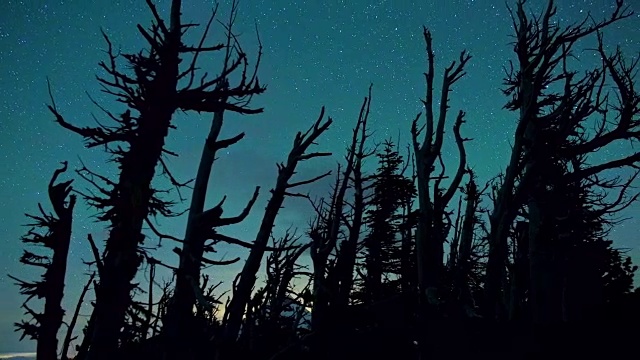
414,260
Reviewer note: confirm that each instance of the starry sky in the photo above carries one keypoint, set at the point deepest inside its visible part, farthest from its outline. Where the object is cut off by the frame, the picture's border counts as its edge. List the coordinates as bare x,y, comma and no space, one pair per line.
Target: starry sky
315,53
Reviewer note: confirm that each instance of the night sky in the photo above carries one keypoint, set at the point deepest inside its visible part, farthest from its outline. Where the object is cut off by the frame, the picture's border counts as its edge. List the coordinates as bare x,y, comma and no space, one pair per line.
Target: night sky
315,53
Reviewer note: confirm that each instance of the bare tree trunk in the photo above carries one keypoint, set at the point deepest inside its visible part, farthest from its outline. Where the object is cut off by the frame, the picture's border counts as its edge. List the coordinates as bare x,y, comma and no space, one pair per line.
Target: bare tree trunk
131,201
122,260
429,237
542,49
520,273
407,263
431,234
69,337
194,240
152,93
242,291
179,318
348,249
332,286
324,233
47,348
44,326
463,268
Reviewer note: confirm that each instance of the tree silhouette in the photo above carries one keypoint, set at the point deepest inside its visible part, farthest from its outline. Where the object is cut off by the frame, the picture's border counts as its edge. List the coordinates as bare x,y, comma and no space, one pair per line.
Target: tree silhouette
463,257
44,326
547,120
333,277
201,224
283,188
431,232
529,273
346,255
152,95
382,244
432,199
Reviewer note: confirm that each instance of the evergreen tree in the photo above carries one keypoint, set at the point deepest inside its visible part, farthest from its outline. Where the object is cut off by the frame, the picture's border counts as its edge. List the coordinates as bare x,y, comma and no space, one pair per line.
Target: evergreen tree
383,248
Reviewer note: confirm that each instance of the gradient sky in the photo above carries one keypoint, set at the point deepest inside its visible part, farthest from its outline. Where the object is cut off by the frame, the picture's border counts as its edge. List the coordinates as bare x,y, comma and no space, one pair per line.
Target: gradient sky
315,53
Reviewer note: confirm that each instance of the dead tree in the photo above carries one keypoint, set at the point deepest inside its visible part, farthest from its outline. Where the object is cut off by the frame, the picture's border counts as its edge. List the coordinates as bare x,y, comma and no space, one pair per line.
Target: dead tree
323,244
431,229
152,95
346,257
198,230
74,319
333,281
283,188
44,326
548,121
282,268
432,223
408,261
462,266
273,318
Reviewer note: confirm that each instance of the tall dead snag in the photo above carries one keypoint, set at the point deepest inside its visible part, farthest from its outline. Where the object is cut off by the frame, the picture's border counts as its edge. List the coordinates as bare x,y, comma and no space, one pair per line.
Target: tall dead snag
462,260
283,188
323,243
346,257
408,283
518,273
152,95
201,224
51,286
431,224
74,319
554,109
332,283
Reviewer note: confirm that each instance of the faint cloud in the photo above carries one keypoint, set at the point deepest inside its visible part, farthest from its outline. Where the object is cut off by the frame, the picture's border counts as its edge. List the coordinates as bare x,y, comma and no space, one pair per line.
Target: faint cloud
16,356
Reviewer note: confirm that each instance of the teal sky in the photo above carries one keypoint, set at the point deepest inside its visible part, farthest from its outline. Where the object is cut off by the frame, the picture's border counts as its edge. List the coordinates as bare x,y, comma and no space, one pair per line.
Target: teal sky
315,53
